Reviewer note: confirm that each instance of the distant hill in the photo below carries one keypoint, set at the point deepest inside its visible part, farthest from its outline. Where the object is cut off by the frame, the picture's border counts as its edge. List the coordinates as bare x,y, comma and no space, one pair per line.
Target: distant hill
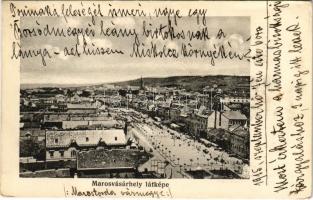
52,85
193,83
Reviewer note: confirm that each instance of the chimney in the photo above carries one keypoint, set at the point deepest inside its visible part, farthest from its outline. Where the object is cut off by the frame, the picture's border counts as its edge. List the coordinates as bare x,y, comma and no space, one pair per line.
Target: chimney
220,119
125,127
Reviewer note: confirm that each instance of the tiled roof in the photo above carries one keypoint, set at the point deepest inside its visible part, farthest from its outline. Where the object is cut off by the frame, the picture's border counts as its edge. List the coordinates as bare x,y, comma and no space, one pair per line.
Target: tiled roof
234,115
110,137
218,131
234,127
107,159
241,132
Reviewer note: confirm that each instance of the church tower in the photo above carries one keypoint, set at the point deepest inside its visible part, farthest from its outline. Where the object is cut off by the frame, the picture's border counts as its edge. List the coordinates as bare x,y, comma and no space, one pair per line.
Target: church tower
141,84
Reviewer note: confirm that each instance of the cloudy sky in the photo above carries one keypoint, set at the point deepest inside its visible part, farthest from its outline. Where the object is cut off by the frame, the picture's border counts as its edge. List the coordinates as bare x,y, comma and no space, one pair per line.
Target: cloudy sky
100,69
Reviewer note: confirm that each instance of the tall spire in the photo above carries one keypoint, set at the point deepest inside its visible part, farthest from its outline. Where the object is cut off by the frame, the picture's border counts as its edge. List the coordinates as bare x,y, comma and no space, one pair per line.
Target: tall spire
141,83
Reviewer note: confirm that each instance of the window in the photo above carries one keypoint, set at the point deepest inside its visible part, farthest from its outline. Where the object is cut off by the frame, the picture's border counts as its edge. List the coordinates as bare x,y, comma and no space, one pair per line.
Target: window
56,140
115,138
73,153
62,154
87,139
51,154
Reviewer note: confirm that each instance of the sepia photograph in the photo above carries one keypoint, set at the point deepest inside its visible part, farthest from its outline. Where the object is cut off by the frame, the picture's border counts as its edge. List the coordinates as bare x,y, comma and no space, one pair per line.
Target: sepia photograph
128,117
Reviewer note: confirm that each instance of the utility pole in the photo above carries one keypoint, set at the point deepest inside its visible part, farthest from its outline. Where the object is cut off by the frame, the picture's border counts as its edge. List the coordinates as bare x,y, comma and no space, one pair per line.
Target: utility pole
211,89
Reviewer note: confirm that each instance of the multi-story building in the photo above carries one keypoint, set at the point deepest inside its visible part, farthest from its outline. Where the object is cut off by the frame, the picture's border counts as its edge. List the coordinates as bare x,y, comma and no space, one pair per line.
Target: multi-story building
200,122
239,142
226,119
64,145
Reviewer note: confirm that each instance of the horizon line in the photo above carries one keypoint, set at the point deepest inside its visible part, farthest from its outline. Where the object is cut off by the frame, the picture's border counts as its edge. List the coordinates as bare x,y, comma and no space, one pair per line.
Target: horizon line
51,83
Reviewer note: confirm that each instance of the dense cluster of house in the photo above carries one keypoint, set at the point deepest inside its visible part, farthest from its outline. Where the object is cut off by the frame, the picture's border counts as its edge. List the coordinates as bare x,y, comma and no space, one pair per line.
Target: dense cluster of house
55,134
69,121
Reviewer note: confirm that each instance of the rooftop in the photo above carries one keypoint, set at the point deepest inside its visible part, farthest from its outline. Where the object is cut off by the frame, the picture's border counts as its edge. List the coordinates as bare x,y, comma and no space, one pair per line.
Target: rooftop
241,132
109,159
234,115
234,127
80,106
111,137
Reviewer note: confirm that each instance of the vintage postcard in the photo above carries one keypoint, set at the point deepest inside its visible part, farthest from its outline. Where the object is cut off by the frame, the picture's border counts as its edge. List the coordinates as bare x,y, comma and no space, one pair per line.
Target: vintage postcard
157,99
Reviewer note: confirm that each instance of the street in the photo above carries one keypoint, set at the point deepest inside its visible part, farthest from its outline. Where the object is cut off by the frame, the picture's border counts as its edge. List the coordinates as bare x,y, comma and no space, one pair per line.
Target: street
184,153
